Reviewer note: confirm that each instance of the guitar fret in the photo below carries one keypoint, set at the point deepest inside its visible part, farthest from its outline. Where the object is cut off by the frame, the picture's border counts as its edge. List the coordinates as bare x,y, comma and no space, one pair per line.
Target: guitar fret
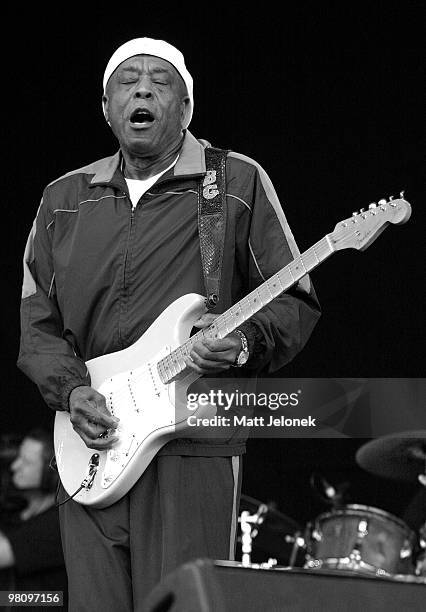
303,264
257,297
209,333
297,267
168,371
247,306
262,290
166,367
217,328
180,356
236,315
169,366
279,280
322,249
309,260
314,249
285,278
269,284
173,364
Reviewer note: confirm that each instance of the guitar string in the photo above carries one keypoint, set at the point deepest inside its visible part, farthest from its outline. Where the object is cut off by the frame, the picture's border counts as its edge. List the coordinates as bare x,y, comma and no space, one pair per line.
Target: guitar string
227,320
171,366
320,250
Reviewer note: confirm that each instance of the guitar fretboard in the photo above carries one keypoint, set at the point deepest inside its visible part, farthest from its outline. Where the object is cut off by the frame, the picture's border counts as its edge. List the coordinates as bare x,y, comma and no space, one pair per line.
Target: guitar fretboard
174,363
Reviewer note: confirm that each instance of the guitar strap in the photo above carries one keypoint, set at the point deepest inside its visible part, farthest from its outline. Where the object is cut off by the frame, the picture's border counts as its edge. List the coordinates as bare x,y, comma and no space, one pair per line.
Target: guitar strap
212,222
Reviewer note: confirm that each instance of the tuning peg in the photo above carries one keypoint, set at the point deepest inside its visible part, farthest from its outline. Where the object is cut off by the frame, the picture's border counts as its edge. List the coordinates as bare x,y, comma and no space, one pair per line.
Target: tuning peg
372,205
382,201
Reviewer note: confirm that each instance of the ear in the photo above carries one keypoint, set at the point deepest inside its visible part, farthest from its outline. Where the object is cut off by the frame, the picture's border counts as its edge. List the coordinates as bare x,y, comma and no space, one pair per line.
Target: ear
184,107
105,106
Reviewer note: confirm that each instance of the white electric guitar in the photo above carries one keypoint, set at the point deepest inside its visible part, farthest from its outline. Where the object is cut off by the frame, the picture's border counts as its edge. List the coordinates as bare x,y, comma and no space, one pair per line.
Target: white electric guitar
145,384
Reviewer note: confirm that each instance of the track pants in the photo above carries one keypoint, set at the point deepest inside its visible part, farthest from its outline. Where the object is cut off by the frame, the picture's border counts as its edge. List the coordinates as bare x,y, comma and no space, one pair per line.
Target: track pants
182,508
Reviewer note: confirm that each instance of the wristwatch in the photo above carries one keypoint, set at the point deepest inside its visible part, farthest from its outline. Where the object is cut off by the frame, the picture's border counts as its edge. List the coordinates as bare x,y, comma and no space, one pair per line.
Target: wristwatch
244,354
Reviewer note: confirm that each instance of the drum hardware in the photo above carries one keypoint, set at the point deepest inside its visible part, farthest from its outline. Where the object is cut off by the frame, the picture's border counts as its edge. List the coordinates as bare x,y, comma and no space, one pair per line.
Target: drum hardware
400,456
274,520
268,537
421,557
246,521
355,558
298,542
331,494
362,539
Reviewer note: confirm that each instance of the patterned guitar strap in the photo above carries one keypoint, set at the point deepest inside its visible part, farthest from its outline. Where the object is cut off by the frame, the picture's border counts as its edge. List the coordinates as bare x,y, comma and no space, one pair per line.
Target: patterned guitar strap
212,222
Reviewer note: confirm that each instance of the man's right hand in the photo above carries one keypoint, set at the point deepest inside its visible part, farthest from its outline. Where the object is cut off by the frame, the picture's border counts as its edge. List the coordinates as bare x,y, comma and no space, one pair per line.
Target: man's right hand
91,419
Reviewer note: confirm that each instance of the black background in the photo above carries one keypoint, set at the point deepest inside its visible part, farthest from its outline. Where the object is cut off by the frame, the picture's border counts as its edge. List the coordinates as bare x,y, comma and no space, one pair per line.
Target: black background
329,100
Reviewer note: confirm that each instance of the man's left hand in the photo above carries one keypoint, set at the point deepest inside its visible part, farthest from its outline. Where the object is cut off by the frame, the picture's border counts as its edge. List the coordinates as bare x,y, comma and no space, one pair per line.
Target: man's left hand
210,356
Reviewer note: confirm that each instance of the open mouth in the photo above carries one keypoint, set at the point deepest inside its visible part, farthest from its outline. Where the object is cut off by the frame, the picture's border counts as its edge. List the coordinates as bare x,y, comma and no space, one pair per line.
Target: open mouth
141,116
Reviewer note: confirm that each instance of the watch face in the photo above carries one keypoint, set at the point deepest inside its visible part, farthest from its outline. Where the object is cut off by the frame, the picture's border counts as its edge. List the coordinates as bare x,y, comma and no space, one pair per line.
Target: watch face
242,357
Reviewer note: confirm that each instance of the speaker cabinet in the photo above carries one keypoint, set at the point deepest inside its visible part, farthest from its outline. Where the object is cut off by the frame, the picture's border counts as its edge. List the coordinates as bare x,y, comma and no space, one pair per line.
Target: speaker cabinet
224,586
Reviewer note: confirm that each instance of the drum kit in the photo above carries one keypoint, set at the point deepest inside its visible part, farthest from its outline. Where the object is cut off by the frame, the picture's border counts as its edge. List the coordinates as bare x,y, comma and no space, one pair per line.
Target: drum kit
350,538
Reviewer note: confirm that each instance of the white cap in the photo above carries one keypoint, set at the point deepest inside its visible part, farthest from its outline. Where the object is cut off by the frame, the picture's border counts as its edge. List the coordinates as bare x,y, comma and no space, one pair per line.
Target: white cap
158,48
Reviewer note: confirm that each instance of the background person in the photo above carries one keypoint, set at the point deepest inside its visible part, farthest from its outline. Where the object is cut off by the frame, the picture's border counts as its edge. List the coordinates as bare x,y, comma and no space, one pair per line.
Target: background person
31,555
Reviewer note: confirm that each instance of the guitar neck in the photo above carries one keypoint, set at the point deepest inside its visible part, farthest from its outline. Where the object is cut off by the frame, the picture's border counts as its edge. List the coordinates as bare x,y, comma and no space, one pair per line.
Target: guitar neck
174,363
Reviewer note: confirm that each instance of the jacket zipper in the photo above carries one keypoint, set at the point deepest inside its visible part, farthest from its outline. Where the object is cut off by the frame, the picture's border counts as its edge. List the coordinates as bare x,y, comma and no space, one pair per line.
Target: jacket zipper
132,215
123,292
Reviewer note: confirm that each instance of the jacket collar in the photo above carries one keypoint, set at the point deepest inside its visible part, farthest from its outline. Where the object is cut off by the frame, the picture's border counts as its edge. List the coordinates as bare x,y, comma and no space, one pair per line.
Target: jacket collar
191,161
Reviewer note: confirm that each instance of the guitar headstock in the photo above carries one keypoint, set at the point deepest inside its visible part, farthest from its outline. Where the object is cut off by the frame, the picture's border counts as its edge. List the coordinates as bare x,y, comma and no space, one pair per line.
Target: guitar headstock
360,230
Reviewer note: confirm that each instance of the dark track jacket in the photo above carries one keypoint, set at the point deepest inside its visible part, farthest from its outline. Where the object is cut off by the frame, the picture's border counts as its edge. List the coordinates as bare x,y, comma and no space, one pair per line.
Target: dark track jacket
97,274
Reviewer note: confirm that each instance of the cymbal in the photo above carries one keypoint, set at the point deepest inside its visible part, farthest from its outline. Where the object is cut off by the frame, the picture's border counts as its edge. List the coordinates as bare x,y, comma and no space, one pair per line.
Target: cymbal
400,456
273,519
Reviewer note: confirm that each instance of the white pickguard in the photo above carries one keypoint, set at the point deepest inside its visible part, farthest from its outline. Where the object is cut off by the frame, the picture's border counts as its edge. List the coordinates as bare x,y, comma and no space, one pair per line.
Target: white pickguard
151,413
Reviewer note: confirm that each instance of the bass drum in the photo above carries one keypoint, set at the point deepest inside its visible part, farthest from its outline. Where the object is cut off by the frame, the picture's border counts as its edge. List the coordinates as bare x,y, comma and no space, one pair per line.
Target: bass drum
362,539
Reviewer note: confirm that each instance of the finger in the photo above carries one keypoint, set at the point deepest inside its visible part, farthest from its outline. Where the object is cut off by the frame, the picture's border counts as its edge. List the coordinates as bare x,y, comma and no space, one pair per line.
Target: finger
90,429
196,368
106,418
203,366
215,358
205,320
99,402
204,350
223,344
86,411
193,366
96,443
95,434
87,398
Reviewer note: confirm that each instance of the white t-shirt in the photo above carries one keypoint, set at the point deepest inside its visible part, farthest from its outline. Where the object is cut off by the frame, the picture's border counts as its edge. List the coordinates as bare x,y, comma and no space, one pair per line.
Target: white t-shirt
137,187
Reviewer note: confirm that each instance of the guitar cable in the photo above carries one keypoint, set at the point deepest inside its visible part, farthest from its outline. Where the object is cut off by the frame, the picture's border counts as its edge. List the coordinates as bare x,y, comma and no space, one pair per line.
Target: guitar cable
69,497
87,482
